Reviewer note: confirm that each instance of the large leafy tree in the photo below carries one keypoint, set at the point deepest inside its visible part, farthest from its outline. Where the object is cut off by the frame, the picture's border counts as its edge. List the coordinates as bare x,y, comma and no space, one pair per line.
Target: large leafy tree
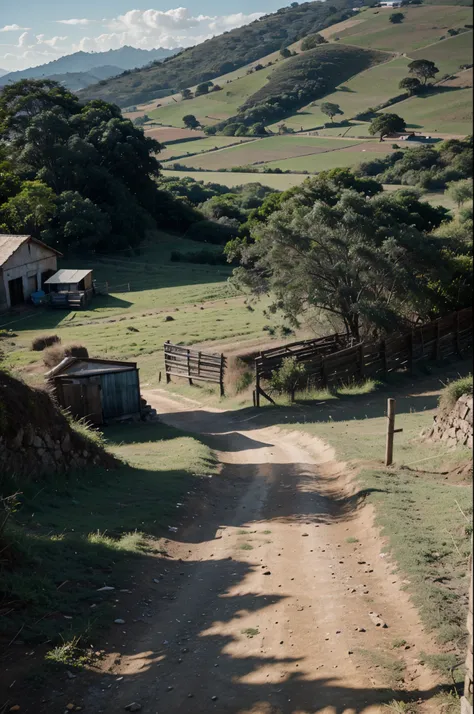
385,124
30,210
367,262
94,162
423,69
331,109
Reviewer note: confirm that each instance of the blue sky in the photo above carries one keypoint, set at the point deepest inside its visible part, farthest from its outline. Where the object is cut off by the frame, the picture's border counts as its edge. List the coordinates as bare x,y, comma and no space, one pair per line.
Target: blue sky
33,32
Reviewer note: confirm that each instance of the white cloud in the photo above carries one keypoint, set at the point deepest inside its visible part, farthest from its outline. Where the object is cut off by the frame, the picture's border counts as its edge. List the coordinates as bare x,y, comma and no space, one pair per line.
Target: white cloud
75,21
12,28
148,29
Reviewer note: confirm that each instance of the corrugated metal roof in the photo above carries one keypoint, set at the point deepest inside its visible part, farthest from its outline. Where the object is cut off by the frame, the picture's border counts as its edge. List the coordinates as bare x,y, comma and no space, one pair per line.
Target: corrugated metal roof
67,276
10,243
88,366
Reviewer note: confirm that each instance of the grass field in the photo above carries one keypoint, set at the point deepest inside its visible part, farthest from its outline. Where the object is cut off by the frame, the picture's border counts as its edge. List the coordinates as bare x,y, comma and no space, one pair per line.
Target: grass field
85,539
448,54
421,26
164,134
132,325
329,160
448,111
367,89
263,150
215,106
233,178
198,146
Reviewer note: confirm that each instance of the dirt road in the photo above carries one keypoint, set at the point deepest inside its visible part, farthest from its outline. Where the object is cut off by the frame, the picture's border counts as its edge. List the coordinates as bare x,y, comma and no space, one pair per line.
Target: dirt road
262,605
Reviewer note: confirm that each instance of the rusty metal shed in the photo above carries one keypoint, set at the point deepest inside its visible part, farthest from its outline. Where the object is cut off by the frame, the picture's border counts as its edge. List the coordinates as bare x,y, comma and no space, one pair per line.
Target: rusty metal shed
98,390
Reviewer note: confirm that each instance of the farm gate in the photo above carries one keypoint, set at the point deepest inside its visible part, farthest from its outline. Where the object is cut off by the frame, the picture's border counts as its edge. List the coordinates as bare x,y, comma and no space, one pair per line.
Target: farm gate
190,364
329,361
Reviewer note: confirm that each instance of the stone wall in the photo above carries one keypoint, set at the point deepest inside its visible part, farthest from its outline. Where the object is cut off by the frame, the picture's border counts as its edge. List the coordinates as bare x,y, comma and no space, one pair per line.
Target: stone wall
36,438
454,427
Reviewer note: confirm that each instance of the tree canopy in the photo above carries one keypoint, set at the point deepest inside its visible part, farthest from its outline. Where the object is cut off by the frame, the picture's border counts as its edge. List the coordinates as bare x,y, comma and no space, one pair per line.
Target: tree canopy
76,174
331,109
411,84
370,263
423,69
385,124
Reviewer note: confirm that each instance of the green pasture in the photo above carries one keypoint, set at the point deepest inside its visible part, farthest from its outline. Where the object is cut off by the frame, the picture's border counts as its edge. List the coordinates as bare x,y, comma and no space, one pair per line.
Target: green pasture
421,26
182,302
448,54
367,89
280,182
215,106
198,146
448,110
269,149
323,162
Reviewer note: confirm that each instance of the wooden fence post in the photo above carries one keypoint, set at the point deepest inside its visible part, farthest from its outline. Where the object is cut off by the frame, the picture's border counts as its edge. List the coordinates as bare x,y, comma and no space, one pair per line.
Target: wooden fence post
189,368
221,383
390,432
168,376
257,386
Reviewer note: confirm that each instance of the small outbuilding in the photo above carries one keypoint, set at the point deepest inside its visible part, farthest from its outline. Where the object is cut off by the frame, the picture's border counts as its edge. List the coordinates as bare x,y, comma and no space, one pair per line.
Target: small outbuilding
97,390
25,264
70,288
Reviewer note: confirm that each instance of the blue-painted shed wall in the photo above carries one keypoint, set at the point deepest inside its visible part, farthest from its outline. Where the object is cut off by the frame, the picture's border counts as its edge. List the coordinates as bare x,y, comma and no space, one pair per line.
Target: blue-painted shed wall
120,393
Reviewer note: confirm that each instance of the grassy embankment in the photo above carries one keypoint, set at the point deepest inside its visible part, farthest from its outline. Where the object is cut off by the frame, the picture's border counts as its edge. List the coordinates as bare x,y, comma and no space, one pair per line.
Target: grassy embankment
72,536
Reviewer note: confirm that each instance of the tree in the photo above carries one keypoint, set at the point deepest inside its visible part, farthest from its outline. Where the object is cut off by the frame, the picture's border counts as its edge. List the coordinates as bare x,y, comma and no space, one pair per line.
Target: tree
202,88
190,121
186,94
396,17
460,191
330,109
140,121
423,69
78,221
411,84
312,41
385,124
360,260
30,210
285,52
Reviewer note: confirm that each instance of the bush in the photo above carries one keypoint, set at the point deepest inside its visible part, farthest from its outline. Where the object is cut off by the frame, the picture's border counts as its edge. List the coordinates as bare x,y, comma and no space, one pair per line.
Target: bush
43,341
453,391
288,377
55,354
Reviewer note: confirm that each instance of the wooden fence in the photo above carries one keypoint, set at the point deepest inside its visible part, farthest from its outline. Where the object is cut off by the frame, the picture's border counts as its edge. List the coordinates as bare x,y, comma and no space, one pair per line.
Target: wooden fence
327,364
190,364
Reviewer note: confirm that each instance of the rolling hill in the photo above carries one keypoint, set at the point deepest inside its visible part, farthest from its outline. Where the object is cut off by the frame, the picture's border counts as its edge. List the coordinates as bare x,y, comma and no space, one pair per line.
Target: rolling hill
221,54
125,58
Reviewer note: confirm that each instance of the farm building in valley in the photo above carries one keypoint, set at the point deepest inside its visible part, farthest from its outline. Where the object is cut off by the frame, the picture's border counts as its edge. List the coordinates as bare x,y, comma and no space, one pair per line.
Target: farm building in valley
97,390
70,288
25,264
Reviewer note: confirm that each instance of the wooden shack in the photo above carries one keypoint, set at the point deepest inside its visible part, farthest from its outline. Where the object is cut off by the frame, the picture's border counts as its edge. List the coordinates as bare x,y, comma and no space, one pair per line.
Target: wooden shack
70,288
97,390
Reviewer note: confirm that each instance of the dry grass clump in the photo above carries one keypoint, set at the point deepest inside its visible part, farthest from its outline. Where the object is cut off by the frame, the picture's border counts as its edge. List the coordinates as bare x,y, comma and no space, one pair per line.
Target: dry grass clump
52,356
42,341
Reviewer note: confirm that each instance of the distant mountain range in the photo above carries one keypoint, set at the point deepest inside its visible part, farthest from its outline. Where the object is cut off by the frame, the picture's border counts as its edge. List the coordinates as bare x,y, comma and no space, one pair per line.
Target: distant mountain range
2,72
82,69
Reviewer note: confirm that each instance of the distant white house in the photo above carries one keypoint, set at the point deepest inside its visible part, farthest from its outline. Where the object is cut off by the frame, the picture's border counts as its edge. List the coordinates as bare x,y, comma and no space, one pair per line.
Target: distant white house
391,3
25,263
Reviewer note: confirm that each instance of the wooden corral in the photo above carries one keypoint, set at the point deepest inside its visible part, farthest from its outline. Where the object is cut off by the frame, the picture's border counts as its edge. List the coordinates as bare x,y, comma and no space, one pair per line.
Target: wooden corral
327,364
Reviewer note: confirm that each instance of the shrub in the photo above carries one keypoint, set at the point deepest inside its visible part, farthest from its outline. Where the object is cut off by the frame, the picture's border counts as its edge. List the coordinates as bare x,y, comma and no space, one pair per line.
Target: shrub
288,377
76,350
453,391
43,341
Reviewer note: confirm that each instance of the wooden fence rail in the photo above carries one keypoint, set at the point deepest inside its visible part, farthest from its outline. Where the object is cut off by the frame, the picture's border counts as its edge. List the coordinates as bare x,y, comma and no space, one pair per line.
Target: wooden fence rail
190,364
329,361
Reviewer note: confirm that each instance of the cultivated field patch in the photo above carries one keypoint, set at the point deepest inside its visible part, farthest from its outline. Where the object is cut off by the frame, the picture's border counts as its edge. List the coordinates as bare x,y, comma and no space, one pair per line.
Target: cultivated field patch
329,160
421,26
170,133
280,182
264,150
197,147
448,111
448,54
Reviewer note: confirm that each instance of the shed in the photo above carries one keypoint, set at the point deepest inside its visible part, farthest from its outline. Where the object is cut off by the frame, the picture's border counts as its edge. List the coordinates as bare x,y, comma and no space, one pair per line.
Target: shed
70,288
98,390
25,264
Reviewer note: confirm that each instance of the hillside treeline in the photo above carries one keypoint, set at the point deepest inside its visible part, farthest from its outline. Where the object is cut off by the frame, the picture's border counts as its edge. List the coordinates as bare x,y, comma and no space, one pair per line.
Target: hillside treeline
222,54
78,175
